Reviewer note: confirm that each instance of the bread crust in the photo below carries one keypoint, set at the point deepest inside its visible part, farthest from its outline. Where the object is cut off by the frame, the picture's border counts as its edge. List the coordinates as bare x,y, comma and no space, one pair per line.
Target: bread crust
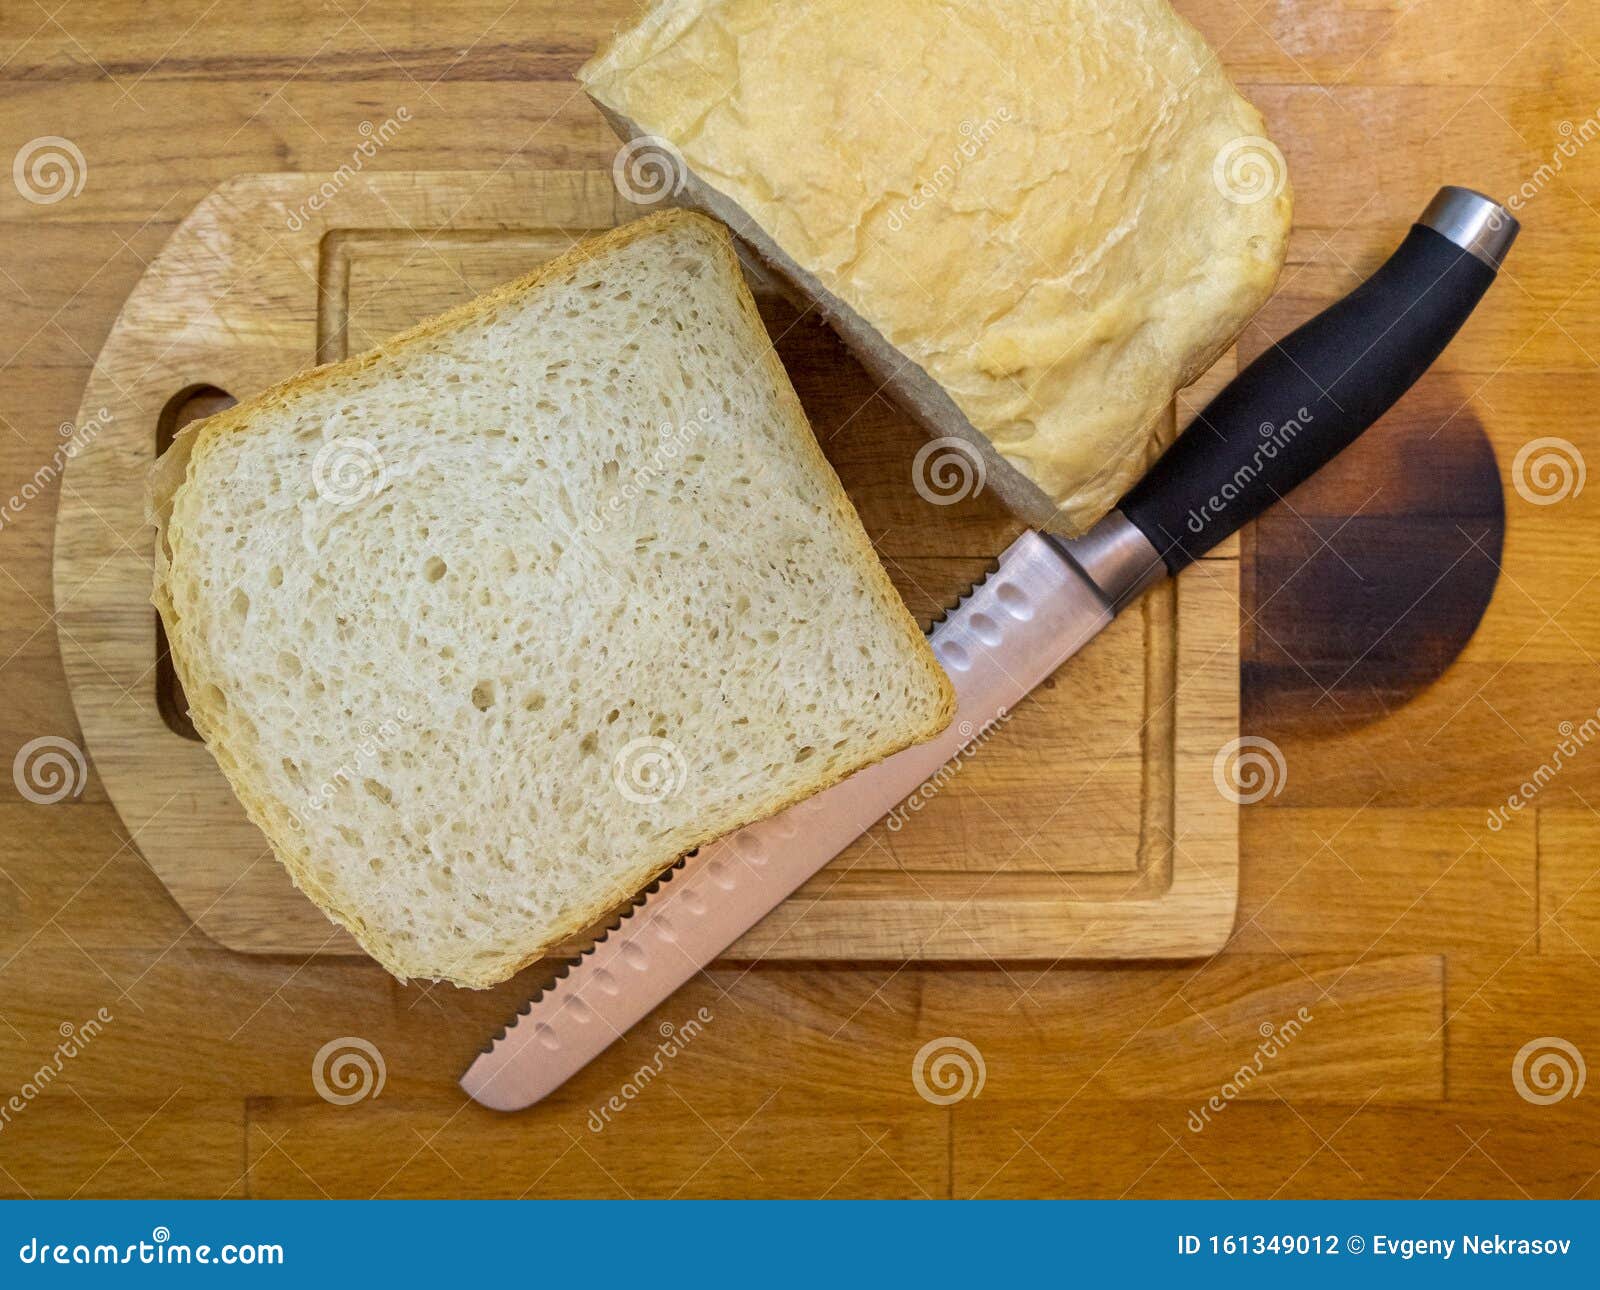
171,473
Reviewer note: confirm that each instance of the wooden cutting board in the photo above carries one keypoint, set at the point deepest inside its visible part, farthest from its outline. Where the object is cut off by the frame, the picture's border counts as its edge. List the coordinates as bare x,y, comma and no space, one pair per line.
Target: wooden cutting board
1090,826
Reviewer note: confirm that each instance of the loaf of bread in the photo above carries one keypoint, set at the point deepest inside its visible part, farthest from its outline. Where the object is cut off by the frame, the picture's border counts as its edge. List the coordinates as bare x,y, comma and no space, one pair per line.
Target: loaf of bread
1033,220
489,626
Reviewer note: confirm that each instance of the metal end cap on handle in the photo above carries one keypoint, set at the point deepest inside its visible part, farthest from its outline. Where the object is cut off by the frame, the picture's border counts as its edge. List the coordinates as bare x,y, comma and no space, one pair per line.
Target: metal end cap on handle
1477,224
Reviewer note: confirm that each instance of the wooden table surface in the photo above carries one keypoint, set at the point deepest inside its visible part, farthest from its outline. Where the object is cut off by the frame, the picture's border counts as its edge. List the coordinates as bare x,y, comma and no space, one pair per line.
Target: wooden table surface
1399,945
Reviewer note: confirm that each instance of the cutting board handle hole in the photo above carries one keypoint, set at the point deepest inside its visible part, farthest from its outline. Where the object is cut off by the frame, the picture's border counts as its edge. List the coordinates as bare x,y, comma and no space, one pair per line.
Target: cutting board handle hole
188,405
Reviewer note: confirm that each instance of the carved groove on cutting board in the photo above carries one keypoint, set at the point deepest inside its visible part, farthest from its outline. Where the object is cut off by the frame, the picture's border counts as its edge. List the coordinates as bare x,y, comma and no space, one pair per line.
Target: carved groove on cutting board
340,247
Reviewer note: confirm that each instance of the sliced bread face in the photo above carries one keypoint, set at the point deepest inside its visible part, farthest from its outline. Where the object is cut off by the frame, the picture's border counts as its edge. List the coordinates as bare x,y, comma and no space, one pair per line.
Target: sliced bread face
491,625
1033,220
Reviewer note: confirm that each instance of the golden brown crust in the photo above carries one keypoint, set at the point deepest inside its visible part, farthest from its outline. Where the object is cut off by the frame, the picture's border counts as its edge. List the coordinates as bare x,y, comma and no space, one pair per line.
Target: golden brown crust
173,470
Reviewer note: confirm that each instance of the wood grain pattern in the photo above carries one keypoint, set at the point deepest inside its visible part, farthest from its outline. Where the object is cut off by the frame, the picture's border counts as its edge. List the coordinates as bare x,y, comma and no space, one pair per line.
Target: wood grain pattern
207,1068
1088,828
1445,1152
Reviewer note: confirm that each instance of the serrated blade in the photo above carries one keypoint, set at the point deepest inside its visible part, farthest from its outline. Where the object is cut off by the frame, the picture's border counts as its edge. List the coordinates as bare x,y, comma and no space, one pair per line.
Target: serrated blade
1009,633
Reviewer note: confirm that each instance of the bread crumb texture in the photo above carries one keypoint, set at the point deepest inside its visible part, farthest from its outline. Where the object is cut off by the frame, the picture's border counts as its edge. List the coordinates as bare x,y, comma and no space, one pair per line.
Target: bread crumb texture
1063,212
491,625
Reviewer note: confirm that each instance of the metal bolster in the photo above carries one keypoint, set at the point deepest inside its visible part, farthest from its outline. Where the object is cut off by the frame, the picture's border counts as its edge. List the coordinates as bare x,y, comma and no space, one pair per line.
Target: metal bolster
1478,225
1116,557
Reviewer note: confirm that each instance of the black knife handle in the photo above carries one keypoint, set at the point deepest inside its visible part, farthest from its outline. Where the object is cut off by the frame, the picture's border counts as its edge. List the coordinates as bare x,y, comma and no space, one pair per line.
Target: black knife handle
1309,396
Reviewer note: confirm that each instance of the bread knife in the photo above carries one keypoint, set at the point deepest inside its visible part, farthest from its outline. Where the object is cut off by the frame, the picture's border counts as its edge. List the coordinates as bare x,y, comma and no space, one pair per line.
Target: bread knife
1278,422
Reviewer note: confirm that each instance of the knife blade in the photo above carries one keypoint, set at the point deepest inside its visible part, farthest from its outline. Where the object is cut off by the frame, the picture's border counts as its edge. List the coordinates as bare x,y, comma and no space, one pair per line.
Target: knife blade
1011,631
1279,421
